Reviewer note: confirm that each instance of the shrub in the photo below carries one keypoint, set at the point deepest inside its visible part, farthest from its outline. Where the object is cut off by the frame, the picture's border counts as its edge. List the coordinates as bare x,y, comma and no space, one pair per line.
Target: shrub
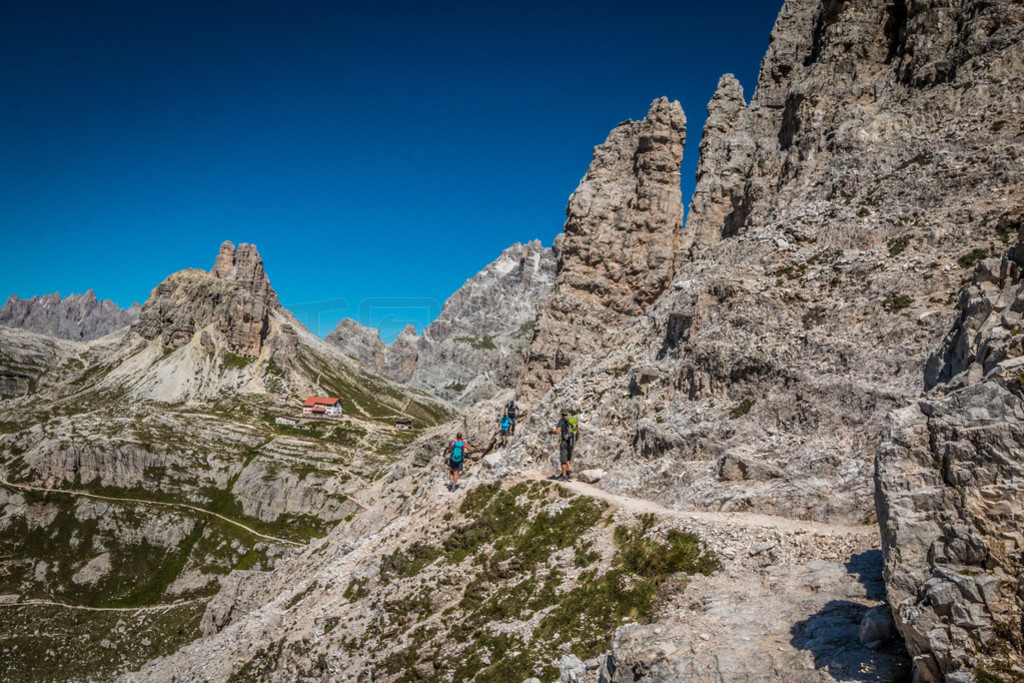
742,408
231,360
971,258
897,302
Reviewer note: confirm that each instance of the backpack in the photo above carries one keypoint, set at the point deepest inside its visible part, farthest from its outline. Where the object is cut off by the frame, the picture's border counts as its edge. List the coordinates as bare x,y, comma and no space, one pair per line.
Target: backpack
511,410
456,451
574,428
505,424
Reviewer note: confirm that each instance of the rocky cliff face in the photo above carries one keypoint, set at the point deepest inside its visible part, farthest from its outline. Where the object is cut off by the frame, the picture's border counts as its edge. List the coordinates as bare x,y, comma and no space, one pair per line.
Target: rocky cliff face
79,317
834,217
474,348
622,233
950,487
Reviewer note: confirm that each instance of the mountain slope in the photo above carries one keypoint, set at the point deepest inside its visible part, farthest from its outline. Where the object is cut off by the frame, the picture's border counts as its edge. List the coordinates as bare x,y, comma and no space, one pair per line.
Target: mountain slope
138,470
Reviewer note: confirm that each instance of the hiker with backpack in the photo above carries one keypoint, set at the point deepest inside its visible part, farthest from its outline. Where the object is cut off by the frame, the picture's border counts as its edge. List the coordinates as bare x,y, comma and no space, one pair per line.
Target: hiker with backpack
456,454
505,424
569,428
512,411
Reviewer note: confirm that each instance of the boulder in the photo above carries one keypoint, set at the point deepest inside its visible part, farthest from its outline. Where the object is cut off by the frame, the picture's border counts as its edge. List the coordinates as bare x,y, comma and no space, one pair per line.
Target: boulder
571,669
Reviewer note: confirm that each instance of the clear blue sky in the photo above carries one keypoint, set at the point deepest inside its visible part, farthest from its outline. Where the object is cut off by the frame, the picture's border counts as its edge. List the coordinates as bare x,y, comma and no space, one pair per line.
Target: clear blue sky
377,153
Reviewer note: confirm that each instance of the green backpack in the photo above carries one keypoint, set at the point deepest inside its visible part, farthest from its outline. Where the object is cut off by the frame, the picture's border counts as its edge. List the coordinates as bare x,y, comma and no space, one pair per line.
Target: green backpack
574,428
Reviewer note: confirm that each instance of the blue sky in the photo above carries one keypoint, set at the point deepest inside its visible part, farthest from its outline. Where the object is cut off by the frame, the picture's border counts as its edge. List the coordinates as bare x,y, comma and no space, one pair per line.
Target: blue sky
378,154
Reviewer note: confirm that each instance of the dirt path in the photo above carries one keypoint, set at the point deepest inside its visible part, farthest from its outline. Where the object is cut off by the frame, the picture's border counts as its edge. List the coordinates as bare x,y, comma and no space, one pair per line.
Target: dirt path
747,519
83,494
146,608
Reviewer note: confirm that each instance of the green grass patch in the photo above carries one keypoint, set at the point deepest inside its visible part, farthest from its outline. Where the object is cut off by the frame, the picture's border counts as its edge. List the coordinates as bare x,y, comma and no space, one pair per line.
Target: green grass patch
500,556
590,613
409,562
43,643
301,595
234,361
791,272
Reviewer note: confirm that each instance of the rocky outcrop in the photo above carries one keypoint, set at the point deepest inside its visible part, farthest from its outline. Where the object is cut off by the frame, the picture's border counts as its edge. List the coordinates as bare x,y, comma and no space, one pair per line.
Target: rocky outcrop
235,297
360,342
78,317
950,487
719,205
188,301
474,347
622,232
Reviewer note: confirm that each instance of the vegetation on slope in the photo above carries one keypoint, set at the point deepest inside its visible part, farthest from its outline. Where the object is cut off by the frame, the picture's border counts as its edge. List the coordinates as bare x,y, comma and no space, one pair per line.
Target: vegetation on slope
529,569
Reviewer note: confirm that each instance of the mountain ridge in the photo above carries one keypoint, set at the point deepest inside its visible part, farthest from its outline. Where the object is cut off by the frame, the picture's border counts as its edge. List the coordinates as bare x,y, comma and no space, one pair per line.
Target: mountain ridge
80,317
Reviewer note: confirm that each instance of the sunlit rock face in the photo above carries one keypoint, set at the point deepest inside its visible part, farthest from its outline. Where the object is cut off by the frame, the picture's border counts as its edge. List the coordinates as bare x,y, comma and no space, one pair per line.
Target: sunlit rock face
622,232
835,216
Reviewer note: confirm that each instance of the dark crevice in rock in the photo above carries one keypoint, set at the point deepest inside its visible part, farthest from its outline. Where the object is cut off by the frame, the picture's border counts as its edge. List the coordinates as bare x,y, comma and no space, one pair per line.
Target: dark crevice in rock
895,29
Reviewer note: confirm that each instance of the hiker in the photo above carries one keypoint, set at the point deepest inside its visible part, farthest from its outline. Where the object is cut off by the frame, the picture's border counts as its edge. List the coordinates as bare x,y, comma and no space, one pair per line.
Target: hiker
569,428
456,453
512,411
505,423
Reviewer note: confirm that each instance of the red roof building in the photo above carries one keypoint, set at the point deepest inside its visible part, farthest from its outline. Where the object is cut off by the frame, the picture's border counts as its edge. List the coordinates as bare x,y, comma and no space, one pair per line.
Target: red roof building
320,401
322,406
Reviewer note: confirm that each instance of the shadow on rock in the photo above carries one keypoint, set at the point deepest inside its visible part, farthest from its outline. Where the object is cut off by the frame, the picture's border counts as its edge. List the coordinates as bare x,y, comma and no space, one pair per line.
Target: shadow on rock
867,567
833,638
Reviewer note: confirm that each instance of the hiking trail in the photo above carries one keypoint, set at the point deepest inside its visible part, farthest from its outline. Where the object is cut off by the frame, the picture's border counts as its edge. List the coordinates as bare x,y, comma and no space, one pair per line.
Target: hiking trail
745,519
144,608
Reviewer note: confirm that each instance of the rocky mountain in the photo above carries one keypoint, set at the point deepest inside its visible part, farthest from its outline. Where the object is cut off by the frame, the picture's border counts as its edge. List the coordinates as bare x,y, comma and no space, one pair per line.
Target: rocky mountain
739,382
79,317
360,342
474,348
234,299
835,217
